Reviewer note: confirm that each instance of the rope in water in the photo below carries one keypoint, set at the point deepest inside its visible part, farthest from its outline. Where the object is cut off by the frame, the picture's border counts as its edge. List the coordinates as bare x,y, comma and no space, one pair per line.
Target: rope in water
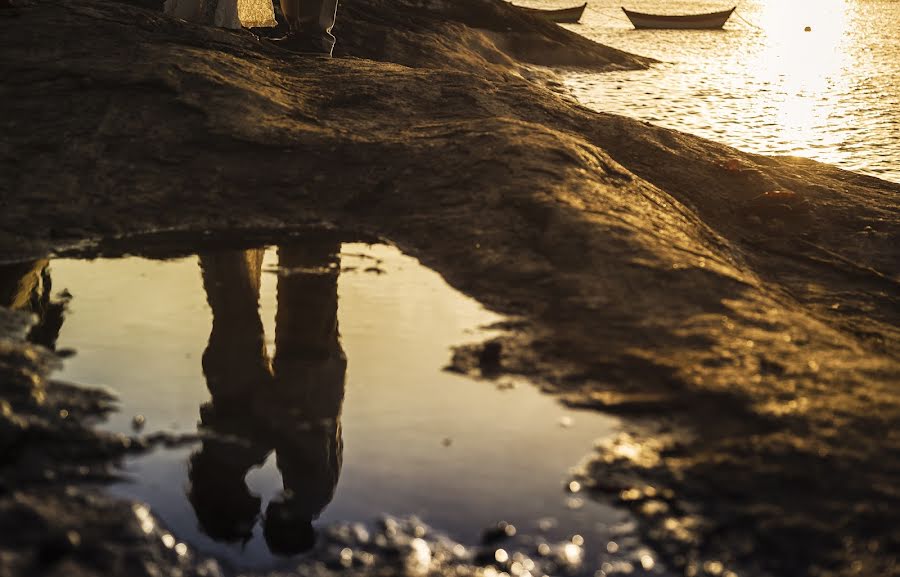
738,14
621,17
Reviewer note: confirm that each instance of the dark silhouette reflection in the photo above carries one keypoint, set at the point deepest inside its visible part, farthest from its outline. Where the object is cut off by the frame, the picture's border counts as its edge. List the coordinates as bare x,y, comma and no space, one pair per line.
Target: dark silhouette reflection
27,286
290,404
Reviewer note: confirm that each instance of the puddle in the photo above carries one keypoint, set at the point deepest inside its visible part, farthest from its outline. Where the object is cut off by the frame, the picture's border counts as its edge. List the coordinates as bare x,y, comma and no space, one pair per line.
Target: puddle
329,398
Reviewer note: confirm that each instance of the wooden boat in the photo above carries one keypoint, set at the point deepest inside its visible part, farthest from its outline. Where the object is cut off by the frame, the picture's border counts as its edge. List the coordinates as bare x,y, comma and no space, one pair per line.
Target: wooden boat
562,15
682,22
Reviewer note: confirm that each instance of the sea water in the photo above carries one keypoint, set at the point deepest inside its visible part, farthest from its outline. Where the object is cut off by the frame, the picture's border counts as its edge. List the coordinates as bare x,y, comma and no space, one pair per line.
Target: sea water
764,83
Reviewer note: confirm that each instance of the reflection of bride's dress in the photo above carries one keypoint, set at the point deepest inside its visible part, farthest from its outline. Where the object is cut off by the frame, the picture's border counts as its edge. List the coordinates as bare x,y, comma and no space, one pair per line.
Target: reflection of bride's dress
223,13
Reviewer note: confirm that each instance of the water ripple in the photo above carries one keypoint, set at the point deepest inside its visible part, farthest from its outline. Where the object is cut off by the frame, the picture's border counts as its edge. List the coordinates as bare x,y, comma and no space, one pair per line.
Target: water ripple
762,84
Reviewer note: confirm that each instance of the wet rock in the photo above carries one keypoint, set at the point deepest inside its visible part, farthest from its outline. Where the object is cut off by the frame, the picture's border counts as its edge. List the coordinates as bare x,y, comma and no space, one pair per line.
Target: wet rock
622,243
57,545
490,356
167,439
11,428
785,205
474,32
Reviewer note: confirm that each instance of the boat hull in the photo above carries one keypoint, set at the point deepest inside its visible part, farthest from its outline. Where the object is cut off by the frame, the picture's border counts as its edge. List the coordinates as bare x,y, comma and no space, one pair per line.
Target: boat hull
563,16
709,21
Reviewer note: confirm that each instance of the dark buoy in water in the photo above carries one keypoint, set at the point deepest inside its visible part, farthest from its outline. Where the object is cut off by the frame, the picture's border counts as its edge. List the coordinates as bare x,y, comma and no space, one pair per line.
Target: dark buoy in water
808,29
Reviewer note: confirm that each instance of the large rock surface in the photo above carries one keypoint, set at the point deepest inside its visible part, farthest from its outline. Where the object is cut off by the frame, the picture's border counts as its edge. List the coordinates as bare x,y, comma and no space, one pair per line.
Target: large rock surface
747,303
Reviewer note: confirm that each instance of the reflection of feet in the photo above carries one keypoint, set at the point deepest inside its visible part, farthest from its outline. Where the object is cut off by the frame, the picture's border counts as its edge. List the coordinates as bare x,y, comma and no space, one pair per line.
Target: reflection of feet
301,44
226,509
287,531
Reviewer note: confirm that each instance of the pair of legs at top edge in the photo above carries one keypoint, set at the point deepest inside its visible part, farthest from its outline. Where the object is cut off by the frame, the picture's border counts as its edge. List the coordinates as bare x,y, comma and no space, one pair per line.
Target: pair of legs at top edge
310,23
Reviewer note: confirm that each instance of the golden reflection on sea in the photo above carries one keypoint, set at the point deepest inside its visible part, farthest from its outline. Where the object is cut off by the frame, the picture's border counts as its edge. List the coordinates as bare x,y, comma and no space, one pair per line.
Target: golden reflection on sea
762,84
806,65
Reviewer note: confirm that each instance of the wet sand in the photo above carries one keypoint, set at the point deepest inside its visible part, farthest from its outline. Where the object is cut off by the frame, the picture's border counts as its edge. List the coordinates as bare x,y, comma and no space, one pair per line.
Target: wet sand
741,310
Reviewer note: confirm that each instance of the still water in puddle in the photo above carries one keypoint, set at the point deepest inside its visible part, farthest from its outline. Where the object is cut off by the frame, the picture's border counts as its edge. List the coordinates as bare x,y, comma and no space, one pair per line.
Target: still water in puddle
320,367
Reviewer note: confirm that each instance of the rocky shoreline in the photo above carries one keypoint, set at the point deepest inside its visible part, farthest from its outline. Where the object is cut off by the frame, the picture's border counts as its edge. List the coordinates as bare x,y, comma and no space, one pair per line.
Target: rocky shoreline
740,310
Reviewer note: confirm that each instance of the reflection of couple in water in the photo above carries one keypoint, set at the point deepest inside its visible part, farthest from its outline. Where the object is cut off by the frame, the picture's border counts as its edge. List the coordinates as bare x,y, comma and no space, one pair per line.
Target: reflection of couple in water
290,404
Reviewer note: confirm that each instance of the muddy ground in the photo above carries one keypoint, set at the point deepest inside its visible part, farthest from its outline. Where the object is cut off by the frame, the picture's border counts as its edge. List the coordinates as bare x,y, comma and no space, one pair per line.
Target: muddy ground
741,310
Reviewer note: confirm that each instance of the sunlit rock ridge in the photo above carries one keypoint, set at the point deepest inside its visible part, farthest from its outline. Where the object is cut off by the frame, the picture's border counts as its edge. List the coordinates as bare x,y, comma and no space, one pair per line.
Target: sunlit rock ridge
741,309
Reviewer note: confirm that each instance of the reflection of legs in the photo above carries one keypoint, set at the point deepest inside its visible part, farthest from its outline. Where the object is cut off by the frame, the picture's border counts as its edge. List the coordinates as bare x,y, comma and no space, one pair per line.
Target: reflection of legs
306,321
235,362
236,368
309,363
309,390
310,464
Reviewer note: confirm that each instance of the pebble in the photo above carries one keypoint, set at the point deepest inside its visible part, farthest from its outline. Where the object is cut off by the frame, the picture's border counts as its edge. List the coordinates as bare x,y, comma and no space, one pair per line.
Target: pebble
497,533
58,545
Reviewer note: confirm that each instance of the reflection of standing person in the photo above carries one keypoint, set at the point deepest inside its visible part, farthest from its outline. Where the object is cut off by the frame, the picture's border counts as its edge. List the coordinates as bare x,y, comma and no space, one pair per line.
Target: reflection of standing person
291,405
308,390
235,362
236,368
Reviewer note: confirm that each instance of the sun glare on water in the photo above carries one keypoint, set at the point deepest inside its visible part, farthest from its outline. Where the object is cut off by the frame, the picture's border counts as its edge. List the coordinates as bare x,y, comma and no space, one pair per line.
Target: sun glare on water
804,55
